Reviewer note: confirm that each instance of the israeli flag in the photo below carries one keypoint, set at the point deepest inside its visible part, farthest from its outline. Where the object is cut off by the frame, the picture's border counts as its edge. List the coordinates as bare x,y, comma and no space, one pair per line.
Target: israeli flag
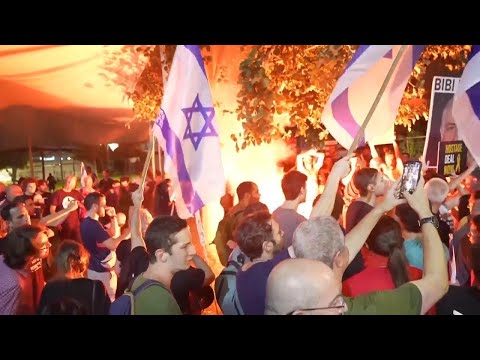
466,104
187,131
359,85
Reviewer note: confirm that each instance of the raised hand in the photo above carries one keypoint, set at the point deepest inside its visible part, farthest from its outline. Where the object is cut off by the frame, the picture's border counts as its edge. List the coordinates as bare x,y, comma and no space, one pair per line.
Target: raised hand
390,200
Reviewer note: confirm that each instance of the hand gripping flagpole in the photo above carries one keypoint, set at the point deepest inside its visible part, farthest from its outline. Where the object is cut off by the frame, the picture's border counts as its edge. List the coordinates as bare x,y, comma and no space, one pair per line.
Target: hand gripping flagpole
361,132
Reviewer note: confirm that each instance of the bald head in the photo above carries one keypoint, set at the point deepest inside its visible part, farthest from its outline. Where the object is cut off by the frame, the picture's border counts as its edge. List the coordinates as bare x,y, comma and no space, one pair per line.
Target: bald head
70,183
13,191
296,284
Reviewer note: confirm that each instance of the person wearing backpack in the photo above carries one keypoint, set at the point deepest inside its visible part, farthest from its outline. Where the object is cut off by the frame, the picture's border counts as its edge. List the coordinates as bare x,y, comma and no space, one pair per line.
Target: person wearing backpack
226,282
168,249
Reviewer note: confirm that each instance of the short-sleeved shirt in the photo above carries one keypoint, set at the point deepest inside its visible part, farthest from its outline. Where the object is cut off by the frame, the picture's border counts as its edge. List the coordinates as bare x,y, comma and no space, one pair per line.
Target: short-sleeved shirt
374,279
154,300
182,282
405,300
252,284
288,219
20,290
463,300
93,234
71,225
414,252
355,213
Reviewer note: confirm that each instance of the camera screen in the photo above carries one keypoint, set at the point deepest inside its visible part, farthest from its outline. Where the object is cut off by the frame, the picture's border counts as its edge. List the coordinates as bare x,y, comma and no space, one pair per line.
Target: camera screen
411,175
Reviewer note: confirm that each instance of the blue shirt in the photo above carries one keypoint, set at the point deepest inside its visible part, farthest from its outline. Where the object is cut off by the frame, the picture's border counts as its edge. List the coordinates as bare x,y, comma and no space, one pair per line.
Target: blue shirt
252,284
93,233
414,252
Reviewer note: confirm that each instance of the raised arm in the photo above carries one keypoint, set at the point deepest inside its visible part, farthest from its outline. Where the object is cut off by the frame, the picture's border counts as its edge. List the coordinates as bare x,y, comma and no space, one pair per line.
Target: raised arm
56,218
434,283
359,234
135,223
324,205
398,156
459,179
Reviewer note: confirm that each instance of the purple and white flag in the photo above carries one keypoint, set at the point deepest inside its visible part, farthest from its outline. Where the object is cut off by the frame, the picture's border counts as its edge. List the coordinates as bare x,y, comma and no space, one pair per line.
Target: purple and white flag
186,129
466,104
357,88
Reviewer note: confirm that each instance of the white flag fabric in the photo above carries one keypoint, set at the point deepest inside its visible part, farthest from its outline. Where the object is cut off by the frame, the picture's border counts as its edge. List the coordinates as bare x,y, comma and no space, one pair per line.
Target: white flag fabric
357,88
83,174
466,104
187,131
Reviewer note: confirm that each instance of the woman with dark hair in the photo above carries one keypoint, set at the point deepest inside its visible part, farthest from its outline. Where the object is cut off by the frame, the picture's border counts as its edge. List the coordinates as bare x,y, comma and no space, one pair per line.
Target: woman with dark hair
69,282
386,266
21,275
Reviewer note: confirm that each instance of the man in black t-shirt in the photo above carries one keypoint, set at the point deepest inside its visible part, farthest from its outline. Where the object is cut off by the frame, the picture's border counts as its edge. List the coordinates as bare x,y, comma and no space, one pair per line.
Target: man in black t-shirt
465,300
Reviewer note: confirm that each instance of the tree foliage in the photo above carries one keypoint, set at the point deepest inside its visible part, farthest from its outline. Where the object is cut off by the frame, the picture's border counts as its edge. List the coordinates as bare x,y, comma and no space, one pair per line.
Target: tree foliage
148,91
11,161
285,88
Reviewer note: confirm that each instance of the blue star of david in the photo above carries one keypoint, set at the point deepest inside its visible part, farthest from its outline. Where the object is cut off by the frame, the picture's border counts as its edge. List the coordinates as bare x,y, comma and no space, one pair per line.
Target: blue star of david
208,114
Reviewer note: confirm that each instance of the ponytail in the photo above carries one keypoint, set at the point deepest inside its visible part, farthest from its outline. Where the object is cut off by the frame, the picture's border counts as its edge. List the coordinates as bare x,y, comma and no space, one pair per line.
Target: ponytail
398,266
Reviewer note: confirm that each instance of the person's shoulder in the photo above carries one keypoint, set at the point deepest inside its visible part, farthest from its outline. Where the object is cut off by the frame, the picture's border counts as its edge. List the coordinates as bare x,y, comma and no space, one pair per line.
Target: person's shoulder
88,222
462,299
355,205
138,252
300,217
404,300
410,244
9,277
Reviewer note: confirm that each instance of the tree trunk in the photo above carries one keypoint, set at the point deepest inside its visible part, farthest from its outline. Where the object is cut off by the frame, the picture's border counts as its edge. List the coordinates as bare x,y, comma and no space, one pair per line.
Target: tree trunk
14,175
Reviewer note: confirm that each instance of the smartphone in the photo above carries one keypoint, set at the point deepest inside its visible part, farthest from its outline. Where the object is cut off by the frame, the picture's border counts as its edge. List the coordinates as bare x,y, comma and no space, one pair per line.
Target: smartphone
412,171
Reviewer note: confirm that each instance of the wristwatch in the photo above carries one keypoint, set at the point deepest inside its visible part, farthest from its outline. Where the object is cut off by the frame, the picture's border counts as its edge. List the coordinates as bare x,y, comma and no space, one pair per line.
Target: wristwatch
432,219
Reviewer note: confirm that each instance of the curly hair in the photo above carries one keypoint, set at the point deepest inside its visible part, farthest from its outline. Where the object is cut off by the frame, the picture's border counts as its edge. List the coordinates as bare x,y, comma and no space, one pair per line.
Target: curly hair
19,247
252,232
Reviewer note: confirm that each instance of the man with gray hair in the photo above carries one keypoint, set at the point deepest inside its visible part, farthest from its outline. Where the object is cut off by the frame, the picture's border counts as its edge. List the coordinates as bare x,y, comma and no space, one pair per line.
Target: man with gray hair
415,297
322,239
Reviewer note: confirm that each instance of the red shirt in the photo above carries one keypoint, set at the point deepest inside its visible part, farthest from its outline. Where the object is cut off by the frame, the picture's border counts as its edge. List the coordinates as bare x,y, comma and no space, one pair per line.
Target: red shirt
375,277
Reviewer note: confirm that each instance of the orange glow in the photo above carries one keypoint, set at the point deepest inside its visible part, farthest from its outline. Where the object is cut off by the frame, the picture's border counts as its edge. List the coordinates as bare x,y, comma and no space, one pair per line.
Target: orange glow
65,75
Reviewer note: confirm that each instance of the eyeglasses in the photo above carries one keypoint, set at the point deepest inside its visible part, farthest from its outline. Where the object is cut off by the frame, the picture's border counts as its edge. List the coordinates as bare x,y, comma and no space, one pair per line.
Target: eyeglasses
337,303
320,308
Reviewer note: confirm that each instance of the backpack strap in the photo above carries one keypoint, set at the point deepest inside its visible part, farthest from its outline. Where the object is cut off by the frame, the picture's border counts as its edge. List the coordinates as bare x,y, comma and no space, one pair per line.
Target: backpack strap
144,286
235,264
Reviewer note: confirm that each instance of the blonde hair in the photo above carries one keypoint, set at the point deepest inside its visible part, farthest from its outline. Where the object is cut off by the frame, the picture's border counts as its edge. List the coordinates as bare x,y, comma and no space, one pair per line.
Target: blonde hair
71,257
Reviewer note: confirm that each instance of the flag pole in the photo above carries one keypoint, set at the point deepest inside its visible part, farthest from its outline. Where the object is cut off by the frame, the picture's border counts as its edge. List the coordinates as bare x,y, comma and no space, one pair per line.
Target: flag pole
146,165
153,152
163,65
361,132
